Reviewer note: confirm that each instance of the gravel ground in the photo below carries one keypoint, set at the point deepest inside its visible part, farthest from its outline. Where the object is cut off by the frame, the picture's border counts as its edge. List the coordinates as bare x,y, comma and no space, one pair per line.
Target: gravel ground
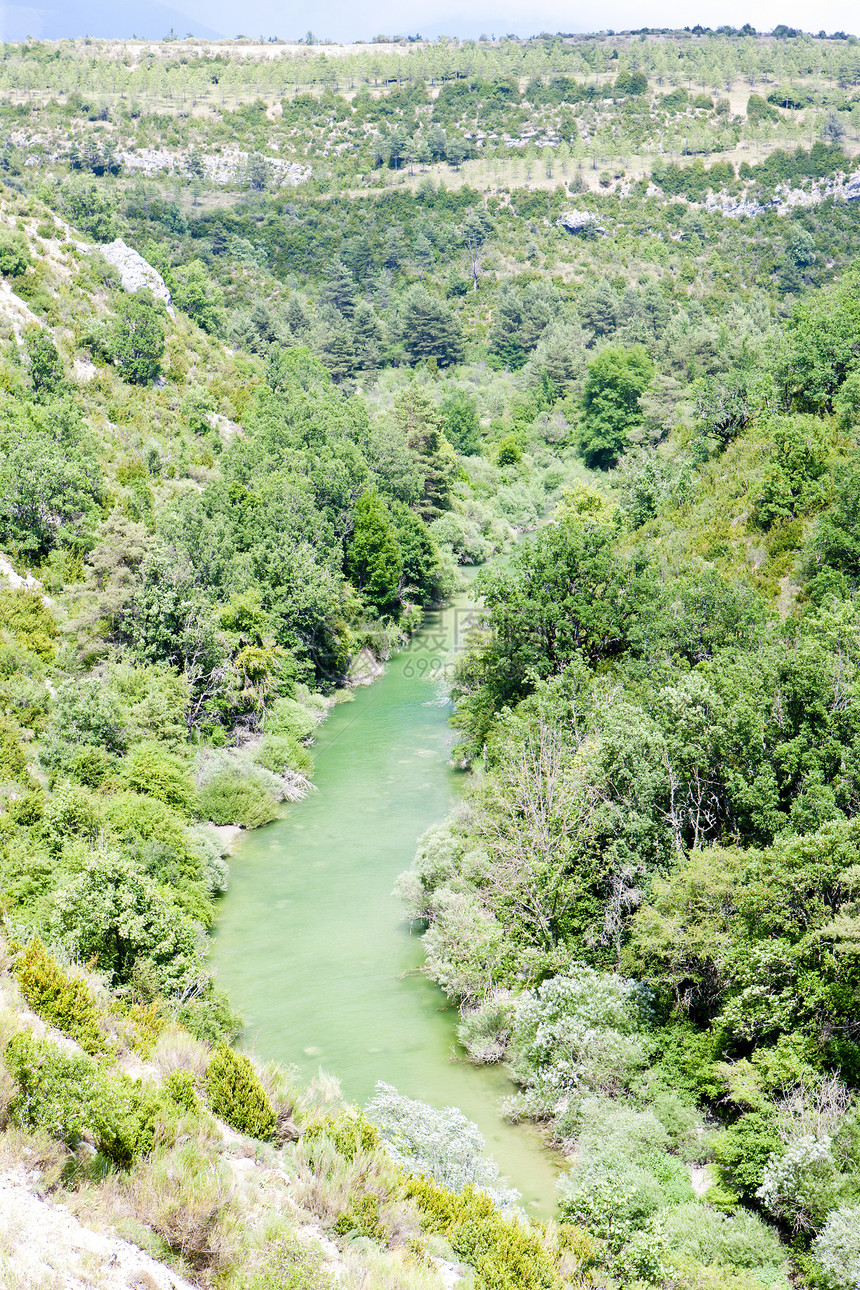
44,1247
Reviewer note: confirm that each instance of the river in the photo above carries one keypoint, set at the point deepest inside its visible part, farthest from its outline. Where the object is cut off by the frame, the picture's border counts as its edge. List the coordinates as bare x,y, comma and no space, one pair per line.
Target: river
311,945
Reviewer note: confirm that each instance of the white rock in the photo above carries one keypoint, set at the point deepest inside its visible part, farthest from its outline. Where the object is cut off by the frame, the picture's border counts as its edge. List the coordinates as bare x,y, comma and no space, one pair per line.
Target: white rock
135,273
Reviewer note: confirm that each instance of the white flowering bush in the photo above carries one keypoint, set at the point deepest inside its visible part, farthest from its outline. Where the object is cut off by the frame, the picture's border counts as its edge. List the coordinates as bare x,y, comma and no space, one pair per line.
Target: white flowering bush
798,1185
444,1145
576,1034
837,1248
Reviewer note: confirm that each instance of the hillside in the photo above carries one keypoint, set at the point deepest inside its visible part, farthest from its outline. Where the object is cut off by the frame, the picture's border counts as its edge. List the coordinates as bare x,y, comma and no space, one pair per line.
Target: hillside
289,335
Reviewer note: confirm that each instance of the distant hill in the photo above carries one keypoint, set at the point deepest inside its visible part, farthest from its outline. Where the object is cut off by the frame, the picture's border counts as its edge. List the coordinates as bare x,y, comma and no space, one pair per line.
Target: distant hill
69,18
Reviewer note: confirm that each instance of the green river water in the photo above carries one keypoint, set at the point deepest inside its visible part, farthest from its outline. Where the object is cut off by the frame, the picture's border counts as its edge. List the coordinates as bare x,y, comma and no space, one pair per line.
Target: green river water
313,948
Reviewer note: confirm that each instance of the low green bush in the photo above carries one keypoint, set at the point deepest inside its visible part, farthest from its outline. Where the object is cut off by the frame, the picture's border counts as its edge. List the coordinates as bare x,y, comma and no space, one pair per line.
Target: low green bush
13,761
14,254
151,770
62,1000
236,1095
287,717
67,1095
279,753
179,1088
349,1132
233,798
505,1253
27,619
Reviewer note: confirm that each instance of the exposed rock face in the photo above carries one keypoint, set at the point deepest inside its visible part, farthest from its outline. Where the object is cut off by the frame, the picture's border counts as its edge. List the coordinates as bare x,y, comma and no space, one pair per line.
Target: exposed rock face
580,222
786,199
135,273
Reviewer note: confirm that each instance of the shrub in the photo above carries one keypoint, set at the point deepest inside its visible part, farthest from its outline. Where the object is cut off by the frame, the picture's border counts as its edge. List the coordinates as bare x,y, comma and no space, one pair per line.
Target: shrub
350,1132
14,254
287,717
66,1095
443,1145
837,1248
612,1198
179,1088
576,1033
151,770
484,1031
231,797
28,620
72,811
740,1240
506,1253
236,1095
13,762
509,452
62,1000
279,753
798,1184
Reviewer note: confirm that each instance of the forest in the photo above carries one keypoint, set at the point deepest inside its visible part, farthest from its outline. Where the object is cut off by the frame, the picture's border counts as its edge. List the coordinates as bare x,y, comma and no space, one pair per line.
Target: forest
289,337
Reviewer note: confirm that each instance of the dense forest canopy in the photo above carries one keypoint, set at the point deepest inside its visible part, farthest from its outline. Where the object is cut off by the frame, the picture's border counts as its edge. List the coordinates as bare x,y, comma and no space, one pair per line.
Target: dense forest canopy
288,334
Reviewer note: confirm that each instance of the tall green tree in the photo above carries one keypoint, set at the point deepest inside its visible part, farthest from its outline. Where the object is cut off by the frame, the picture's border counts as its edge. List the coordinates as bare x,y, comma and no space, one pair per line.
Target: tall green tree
616,380
374,562
136,338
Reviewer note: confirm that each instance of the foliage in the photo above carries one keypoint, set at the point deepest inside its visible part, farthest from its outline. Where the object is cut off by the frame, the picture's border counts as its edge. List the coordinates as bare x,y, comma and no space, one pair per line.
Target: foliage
233,797
236,1094
137,337
575,1033
837,1248
616,381
67,1095
63,1000
442,1145
373,558
123,922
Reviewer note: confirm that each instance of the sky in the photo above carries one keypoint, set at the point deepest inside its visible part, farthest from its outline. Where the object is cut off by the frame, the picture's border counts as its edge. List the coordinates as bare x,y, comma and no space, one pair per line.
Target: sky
344,21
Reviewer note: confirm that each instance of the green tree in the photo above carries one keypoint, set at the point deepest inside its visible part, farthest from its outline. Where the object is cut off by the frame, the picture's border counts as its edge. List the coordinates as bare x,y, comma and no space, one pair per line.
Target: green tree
46,366
417,416
197,295
616,380
374,562
427,328
121,920
461,422
136,338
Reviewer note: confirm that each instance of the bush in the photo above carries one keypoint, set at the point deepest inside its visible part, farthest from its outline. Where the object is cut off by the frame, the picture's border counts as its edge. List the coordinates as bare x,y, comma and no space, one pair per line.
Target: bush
740,1240
63,1001
443,1145
14,254
799,1182
29,621
236,1095
150,770
576,1033
231,797
837,1248
506,1253
66,1095
280,753
287,717
509,452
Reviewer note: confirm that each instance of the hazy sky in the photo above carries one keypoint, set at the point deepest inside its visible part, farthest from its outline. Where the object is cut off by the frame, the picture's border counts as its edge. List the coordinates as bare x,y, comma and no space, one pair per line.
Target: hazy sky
344,21
341,20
